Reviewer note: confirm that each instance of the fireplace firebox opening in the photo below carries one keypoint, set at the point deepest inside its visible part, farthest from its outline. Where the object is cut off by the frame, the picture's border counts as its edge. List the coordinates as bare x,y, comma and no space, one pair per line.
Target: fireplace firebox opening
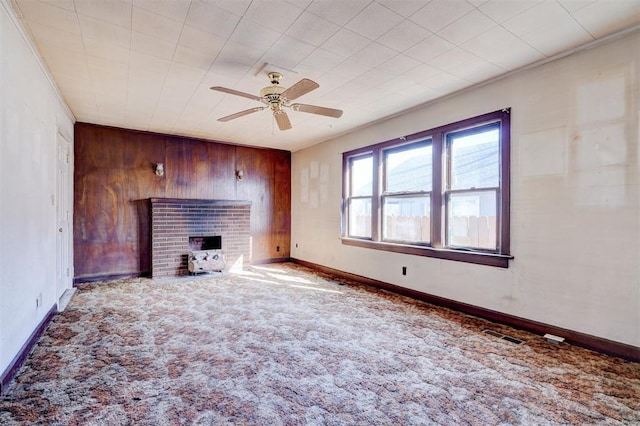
205,243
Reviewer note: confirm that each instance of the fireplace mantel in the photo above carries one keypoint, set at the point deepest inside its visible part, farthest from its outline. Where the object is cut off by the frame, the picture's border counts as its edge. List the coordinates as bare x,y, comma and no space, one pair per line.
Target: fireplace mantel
198,201
174,220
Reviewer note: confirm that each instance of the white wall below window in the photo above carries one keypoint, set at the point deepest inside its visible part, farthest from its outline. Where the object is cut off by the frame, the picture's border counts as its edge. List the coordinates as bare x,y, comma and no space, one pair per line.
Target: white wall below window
575,208
32,115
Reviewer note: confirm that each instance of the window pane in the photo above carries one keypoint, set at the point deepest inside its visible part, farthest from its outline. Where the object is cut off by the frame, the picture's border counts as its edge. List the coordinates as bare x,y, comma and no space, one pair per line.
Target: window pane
362,176
360,217
408,170
472,220
407,219
475,159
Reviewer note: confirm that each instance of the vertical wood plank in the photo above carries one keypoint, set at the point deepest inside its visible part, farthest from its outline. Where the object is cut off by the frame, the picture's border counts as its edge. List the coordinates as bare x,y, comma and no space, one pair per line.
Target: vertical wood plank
221,177
180,173
281,223
257,185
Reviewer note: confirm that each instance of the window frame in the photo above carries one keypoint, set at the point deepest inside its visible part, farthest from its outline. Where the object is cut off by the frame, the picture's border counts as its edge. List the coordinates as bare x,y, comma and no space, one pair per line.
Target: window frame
439,194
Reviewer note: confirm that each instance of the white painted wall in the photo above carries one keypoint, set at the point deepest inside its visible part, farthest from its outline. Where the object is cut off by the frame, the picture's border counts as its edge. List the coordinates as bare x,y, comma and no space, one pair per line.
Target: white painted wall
31,116
575,229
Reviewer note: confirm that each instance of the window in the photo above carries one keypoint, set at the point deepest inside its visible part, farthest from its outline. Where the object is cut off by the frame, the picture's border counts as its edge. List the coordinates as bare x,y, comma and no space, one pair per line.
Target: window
441,193
406,197
360,195
472,188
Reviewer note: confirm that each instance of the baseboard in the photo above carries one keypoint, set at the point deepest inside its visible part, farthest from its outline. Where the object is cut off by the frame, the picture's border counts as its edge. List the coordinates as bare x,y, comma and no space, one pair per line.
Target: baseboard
272,260
598,344
15,364
109,277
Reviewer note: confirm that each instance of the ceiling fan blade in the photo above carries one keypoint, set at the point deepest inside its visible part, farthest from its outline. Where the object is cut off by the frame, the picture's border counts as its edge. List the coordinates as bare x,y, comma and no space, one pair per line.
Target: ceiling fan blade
302,87
282,119
241,114
236,92
329,112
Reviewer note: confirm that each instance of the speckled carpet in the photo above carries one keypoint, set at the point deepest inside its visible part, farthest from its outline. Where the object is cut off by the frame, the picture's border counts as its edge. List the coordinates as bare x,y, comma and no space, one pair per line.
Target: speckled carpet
282,345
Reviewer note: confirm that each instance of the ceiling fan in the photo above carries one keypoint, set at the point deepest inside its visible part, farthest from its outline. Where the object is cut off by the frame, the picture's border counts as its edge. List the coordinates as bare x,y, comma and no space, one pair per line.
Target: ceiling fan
276,98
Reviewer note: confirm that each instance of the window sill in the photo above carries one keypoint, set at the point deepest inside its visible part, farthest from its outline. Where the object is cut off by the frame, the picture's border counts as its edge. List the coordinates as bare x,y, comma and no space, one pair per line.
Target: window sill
479,258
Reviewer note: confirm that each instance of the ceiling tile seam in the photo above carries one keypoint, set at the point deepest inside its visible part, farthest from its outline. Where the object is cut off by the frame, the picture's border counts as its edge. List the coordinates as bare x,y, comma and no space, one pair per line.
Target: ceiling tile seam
164,80
96,110
437,34
510,18
202,80
173,61
469,52
259,59
99,20
363,9
377,68
244,11
417,11
345,24
341,27
211,65
404,22
433,35
350,57
283,33
54,5
460,18
126,105
316,48
575,20
390,10
509,31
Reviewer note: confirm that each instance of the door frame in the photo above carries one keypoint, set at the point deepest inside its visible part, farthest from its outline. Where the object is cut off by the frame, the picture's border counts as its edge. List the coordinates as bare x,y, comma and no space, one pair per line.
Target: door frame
64,216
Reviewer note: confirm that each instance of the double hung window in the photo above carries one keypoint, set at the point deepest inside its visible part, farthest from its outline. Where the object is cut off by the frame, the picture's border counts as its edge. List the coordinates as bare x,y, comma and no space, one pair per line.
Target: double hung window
442,192
360,196
473,188
406,195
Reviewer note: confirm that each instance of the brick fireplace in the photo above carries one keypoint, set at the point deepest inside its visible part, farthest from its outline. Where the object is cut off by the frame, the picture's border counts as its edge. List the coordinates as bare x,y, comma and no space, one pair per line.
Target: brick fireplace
177,223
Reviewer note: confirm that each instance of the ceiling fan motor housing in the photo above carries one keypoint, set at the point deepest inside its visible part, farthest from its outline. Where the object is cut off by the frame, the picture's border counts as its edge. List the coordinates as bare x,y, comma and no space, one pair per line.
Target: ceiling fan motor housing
271,94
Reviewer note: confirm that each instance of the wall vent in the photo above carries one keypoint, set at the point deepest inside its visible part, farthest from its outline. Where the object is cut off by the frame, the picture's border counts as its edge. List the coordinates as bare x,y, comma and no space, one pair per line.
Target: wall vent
503,336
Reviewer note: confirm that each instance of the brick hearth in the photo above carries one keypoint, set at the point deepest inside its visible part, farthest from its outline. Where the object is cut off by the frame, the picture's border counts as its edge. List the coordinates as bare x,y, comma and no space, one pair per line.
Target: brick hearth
173,221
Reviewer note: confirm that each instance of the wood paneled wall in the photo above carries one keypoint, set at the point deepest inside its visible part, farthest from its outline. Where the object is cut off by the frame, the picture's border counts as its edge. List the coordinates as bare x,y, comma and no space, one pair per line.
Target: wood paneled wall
114,179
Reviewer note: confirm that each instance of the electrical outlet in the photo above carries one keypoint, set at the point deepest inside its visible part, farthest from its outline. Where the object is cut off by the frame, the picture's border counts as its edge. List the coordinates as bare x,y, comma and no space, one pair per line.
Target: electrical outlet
404,270
278,249
296,245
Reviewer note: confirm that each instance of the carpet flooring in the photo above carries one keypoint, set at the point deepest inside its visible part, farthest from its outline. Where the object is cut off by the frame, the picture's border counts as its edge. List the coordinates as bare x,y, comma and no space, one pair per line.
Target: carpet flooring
283,345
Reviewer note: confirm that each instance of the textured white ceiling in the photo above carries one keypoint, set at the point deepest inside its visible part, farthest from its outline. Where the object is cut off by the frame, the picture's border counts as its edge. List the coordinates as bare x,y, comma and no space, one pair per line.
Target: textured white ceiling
148,64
